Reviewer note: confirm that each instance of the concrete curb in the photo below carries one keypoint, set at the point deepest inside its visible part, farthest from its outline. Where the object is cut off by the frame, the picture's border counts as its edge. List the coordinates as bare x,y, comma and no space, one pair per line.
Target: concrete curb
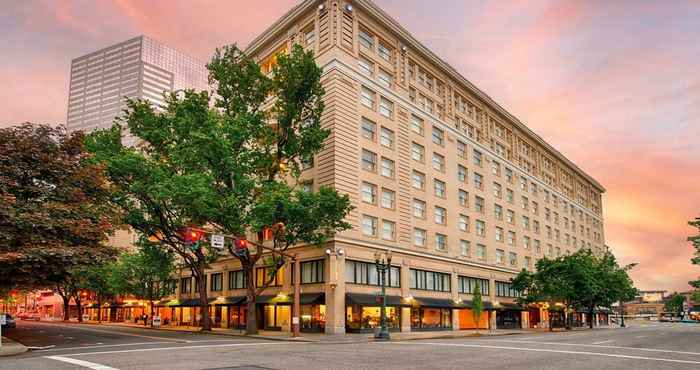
11,348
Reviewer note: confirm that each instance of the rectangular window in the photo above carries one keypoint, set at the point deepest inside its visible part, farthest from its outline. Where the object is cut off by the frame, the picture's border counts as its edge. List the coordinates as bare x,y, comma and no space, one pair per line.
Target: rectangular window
510,217
438,162
386,107
365,273
186,285
513,259
365,38
464,223
478,181
498,212
509,175
511,238
509,196
480,228
500,256
388,230
467,284
417,125
369,129
369,160
311,272
438,136
497,190
417,152
367,97
385,52
418,180
481,252
504,289
499,234
264,274
440,242
463,198
366,66
477,158
369,225
419,236
385,78
369,193
465,248
440,188
387,168
430,280
388,198
479,205
440,215
495,168
217,281
461,150
461,173
237,280
418,208
386,138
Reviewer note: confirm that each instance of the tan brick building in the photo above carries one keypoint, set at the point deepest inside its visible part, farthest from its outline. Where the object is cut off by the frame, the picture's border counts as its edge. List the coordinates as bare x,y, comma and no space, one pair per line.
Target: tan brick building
442,176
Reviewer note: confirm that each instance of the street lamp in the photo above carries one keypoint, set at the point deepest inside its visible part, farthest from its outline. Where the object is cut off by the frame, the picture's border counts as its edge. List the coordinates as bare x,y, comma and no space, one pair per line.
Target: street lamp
622,314
383,263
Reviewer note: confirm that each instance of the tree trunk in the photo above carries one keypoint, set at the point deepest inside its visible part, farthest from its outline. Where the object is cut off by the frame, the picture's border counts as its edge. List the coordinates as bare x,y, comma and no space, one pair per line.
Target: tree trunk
66,307
80,309
152,311
590,317
99,310
567,319
251,325
549,314
203,301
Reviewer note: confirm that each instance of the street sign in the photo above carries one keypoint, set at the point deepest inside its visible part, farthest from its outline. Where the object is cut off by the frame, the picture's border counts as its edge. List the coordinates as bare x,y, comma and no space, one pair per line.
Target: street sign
217,241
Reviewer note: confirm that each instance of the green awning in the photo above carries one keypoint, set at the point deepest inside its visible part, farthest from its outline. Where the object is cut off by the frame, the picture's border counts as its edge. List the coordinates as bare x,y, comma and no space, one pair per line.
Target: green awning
373,300
304,298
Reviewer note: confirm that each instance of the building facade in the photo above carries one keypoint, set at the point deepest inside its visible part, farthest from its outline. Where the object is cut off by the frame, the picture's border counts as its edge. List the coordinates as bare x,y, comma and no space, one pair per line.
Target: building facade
459,190
137,68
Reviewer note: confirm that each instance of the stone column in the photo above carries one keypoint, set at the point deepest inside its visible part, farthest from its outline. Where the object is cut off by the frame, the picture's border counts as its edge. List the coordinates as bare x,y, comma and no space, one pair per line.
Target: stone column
492,298
525,320
455,298
455,319
405,293
335,294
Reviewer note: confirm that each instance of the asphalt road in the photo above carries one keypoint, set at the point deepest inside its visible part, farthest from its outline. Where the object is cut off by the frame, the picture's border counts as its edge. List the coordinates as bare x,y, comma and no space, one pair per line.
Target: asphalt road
650,346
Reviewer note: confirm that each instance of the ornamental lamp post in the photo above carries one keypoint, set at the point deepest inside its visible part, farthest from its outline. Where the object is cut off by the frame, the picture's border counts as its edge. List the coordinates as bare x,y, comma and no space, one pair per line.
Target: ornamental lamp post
383,264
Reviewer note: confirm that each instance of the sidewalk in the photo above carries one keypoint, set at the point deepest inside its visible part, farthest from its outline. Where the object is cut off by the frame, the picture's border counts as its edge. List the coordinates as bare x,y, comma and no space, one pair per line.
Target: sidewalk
330,338
10,347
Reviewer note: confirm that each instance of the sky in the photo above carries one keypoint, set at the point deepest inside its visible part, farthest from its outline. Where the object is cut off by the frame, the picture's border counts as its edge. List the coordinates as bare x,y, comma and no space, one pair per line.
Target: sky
613,85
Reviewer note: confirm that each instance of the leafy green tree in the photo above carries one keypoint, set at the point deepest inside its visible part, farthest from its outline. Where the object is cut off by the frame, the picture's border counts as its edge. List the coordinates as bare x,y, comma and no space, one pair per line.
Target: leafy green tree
477,304
674,303
54,213
144,274
232,168
96,279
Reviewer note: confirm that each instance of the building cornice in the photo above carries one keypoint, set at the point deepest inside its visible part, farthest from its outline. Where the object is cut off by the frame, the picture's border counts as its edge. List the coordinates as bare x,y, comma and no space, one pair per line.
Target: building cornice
374,11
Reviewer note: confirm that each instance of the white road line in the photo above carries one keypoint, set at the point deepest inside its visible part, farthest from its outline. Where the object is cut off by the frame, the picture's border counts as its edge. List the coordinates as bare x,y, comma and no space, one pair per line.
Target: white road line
121,333
640,336
551,351
89,365
181,348
101,346
598,346
603,341
130,344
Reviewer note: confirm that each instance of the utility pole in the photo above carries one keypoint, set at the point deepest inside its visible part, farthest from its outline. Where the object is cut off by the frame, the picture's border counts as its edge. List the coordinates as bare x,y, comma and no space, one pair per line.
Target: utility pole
297,296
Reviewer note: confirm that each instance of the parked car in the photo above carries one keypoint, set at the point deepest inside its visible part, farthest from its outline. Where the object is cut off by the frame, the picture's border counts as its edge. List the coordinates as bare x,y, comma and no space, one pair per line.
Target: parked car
33,316
9,322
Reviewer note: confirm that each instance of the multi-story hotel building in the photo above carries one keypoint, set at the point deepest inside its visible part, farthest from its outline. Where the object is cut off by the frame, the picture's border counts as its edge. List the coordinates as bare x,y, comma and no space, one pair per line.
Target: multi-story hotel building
137,68
459,190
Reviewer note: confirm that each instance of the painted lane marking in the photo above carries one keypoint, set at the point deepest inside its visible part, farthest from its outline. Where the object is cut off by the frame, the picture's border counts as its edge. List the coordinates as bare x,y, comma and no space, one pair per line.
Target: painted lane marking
130,344
89,365
552,351
121,333
599,346
640,336
603,341
181,347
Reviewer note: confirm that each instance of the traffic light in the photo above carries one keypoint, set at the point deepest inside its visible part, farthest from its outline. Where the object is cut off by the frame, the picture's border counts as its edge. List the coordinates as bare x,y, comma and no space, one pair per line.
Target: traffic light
240,243
192,235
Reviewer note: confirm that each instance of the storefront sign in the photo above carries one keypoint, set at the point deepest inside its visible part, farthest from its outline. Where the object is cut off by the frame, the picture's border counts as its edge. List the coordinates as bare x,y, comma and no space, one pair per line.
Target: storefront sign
217,241
295,320
156,321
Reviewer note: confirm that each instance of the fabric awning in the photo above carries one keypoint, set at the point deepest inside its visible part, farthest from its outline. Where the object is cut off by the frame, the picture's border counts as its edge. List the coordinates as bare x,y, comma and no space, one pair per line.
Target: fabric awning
225,301
436,302
304,298
373,300
506,306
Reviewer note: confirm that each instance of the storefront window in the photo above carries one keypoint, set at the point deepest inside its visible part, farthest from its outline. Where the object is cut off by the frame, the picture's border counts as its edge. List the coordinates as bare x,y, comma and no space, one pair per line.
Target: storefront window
236,316
431,318
313,317
360,318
